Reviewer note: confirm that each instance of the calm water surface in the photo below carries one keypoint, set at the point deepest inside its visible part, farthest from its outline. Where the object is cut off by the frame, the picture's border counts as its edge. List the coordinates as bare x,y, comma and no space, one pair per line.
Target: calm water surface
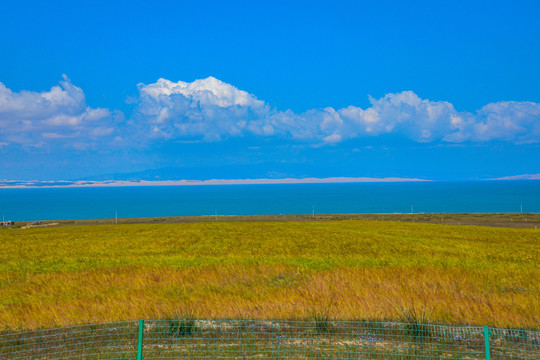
88,203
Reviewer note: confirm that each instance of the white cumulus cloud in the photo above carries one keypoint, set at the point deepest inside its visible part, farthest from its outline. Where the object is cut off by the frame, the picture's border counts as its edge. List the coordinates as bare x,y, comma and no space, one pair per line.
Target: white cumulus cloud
403,113
211,110
508,120
207,108
31,118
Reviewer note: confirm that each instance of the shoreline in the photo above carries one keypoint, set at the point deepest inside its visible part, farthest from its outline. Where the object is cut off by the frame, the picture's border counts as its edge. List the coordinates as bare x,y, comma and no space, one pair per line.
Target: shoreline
508,220
62,184
38,184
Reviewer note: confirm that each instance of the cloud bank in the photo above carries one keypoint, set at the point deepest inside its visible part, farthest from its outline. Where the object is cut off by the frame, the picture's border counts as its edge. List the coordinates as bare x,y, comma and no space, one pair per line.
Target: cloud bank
58,116
210,110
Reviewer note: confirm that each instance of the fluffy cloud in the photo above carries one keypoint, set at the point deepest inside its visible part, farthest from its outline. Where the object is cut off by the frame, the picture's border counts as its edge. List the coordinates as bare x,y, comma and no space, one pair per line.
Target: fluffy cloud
211,110
404,113
208,108
507,120
57,116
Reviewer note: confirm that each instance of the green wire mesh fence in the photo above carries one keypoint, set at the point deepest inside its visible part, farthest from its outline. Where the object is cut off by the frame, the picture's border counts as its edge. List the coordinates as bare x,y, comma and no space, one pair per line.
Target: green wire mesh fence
249,339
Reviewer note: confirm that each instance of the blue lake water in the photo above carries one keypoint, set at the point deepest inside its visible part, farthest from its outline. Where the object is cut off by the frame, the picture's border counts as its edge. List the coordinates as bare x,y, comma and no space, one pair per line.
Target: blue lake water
95,202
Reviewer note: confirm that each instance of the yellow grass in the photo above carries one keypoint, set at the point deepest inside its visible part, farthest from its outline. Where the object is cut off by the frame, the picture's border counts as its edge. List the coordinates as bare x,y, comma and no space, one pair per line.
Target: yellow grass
281,270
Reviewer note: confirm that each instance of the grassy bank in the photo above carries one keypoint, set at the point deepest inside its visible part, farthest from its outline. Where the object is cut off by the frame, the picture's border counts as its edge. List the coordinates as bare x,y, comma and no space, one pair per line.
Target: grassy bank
510,220
280,270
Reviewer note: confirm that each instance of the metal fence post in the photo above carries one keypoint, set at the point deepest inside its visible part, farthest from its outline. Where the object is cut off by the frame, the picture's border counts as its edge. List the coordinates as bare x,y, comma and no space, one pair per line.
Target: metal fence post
486,342
140,343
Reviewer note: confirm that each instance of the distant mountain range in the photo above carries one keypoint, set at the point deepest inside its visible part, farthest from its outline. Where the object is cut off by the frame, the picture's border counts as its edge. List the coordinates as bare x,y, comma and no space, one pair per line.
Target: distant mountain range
131,180
263,173
520,177
248,171
108,183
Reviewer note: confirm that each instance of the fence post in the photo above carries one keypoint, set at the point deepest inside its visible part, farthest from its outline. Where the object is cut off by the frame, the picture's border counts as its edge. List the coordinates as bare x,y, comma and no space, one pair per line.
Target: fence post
140,343
486,342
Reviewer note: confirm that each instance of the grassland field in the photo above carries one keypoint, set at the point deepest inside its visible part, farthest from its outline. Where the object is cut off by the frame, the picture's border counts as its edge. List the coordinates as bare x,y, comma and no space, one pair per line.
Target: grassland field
349,269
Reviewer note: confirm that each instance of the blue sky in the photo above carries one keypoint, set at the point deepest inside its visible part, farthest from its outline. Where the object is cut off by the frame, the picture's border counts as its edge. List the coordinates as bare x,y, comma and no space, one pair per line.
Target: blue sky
430,89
